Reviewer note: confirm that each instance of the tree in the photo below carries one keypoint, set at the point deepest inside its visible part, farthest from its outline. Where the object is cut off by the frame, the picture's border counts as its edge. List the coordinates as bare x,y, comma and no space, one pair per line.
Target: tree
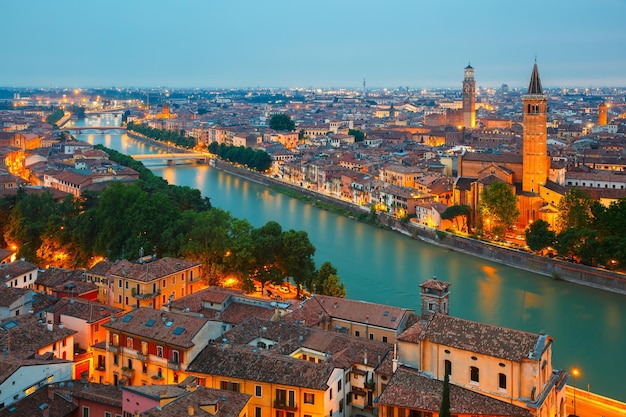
575,210
333,287
282,121
296,257
359,135
498,208
267,247
539,236
207,241
458,210
444,408
327,282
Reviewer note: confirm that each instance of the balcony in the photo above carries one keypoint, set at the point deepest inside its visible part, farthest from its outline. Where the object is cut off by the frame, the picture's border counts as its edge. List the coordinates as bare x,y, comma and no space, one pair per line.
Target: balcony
145,296
128,372
101,367
173,365
285,405
370,385
114,349
141,357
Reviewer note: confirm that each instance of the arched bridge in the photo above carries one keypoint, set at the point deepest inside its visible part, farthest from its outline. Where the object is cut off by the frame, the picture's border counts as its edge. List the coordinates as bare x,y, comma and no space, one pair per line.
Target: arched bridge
172,158
80,129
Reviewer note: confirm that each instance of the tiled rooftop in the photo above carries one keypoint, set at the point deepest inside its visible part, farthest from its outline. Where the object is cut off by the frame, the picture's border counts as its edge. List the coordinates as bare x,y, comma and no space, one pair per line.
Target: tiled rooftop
24,335
255,364
89,311
176,329
201,402
408,389
500,342
150,271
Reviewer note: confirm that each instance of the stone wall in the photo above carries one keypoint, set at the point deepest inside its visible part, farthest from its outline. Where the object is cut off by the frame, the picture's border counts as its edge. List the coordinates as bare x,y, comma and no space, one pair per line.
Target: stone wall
567,271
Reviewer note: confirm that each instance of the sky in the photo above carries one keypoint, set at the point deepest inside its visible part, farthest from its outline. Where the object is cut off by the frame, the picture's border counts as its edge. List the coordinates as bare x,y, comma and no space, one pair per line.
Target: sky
310,43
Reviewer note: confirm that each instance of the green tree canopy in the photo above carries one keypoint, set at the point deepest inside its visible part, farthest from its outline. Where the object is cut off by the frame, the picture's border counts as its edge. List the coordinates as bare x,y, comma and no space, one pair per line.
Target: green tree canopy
575,210
539,236
498,208
282,121
458,210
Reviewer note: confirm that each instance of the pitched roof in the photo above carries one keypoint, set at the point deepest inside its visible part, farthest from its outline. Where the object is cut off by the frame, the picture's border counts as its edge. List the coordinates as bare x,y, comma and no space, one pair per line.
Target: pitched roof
360,311
24,335
9,295
15,268
35,404
408,389
496,341
201,402
150,271
534,87
170,328
89,311
255,364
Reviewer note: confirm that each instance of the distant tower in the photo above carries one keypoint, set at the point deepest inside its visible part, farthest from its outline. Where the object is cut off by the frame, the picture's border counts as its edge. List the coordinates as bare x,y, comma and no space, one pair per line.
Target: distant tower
602,114
435,297
364,90
535,162
469,98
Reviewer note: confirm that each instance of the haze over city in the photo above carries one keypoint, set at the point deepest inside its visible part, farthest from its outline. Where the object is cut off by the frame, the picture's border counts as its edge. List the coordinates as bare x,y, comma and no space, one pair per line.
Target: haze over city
322,43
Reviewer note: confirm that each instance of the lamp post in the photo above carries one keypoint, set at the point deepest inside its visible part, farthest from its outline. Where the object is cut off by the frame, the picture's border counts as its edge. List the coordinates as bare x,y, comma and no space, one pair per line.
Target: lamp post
575,373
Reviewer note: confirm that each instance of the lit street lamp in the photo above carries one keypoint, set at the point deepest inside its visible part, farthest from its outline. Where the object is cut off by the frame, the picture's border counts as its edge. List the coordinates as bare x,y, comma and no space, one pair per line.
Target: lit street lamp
575,373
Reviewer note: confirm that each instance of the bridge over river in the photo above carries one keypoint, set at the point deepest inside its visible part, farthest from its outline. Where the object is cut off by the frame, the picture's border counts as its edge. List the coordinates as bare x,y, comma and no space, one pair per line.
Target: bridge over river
173,158
101,129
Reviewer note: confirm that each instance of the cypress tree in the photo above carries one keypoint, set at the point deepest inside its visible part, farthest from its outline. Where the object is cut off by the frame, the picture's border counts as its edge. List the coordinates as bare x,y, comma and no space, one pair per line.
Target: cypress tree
444,408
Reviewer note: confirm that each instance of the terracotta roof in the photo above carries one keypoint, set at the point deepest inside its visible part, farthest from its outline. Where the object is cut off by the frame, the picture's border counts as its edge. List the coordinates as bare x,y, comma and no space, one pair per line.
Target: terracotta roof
496,159
24,335
257,365
201,402
408,389
15,268
52,277
35,404
89,311
97,393
176,329
150,271
343,350
360,311
101,268
9,295
496,341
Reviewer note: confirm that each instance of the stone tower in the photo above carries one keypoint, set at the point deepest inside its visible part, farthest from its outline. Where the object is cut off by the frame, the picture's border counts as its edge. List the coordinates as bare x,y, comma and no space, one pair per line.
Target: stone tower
535,162
602,114
435,296
469,98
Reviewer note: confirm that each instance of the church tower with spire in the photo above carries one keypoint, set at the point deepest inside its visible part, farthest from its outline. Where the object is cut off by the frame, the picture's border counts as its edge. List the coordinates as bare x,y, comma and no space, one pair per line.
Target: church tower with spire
535,162
469,98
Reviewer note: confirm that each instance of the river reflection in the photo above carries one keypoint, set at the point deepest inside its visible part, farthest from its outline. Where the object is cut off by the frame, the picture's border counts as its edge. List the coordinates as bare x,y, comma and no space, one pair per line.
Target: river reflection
386,267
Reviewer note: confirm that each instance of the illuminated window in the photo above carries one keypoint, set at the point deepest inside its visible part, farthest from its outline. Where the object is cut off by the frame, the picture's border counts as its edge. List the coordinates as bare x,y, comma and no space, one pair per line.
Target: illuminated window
129,343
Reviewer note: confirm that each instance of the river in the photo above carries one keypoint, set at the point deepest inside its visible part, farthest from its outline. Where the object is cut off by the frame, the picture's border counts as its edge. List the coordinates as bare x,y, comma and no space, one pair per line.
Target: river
380,266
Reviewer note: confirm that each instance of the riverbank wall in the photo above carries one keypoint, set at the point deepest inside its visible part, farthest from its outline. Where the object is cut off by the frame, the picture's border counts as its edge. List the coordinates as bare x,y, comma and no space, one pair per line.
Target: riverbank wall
554,268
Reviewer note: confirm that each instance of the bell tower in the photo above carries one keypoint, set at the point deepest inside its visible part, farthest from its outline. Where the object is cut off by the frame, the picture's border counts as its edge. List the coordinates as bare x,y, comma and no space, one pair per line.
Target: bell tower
535,162
435,297
469,98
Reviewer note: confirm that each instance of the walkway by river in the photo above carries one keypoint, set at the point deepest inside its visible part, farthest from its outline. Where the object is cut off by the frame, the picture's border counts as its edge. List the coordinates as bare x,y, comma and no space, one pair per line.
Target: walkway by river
386,267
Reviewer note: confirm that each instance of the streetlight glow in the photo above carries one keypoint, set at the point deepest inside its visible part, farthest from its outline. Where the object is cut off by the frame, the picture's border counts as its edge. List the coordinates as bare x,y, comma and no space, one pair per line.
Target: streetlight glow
575,373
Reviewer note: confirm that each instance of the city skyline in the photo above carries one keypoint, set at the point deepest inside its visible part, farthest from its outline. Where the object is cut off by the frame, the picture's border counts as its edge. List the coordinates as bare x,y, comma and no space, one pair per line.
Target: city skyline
319,44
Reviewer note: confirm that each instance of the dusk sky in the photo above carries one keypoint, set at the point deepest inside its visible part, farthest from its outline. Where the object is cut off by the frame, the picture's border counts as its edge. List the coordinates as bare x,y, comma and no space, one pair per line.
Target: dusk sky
303,43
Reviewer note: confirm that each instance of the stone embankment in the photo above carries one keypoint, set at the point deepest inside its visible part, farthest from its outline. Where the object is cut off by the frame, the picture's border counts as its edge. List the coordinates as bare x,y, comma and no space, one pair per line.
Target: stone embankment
557,269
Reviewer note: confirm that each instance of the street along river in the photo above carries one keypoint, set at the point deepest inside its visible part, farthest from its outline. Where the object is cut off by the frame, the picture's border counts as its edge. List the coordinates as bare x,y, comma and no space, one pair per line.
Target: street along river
589,325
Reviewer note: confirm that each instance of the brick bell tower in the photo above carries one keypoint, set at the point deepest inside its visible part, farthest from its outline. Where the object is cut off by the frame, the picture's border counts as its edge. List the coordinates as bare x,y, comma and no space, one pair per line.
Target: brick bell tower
469,98
535,162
